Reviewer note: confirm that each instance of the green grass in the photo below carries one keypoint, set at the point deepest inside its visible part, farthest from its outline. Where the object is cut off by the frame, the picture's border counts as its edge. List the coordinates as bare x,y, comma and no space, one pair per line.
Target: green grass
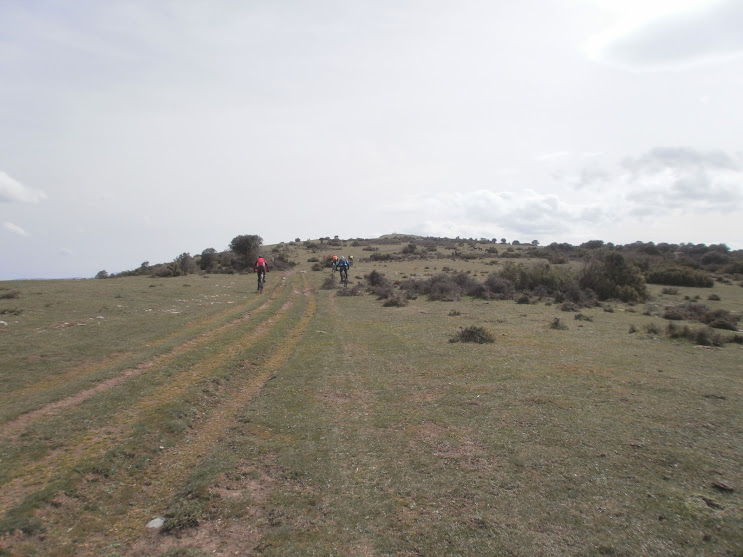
331,425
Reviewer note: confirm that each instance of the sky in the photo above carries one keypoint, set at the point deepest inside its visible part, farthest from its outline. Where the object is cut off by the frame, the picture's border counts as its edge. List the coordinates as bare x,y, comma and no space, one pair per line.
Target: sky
133,130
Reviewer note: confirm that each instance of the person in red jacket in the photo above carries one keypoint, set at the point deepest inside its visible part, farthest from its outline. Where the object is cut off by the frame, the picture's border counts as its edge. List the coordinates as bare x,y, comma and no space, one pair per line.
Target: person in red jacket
261,267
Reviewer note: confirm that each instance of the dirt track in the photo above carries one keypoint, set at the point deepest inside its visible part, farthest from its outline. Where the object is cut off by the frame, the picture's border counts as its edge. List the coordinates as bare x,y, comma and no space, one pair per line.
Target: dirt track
53,489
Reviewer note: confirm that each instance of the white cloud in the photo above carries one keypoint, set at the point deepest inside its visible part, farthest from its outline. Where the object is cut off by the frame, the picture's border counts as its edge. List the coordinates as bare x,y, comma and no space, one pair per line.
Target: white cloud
15,229
12,190
665,183
677,37
486,213
685,180
553,156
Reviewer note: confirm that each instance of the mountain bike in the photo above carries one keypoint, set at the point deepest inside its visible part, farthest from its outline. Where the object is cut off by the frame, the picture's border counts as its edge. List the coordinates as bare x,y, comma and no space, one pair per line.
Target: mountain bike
261,280
344,276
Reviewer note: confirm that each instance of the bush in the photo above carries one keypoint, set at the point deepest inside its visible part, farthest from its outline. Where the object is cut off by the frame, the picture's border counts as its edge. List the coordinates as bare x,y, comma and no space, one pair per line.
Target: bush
720,319
375,278
395,301
356,290
529,277
384,291
473,334
680,276
443,287
498,287
10,295
328,283
652,329
614,277
381,257
558,325
703,337
689,311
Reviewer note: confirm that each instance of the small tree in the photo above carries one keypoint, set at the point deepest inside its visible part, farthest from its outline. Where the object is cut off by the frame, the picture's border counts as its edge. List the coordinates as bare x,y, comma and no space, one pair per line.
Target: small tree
614,277
246,249
101,274
186,263
208,259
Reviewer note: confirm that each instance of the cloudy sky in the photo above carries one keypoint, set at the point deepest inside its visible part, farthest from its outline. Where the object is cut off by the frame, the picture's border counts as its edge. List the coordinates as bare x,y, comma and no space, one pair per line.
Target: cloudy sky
135,130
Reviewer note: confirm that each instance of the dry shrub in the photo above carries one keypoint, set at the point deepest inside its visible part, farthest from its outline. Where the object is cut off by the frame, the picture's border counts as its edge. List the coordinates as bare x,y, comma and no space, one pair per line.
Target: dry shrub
395,301
652,329
356,290
328,283
558,325
474,334
720,319
703,337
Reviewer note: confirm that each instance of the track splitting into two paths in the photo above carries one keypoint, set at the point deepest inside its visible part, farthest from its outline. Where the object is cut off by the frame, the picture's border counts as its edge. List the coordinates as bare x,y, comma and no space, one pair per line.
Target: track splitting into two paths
245,337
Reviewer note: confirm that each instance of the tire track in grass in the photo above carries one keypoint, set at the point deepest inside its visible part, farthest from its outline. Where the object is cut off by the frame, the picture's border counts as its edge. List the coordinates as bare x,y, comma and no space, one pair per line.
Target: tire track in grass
165,476
10,429
95,442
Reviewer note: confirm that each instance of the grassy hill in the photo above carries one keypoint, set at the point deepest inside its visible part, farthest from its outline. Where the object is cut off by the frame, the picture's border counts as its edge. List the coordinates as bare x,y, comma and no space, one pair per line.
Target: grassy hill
319,420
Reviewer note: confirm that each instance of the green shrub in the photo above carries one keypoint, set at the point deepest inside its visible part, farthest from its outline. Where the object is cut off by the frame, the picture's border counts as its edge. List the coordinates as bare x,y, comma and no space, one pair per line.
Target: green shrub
680,276
614,277
375,278
183,514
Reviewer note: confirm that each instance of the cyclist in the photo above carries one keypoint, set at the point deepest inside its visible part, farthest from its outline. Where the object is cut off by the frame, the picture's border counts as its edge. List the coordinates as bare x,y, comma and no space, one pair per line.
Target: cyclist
342,266
335,263
261,267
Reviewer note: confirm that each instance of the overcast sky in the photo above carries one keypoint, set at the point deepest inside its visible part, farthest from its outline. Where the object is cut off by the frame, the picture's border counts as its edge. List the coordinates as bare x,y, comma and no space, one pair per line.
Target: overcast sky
136,130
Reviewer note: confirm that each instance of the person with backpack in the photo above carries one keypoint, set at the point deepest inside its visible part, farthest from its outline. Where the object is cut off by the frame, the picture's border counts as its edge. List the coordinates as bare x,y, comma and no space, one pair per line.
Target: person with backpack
342,266
261,267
